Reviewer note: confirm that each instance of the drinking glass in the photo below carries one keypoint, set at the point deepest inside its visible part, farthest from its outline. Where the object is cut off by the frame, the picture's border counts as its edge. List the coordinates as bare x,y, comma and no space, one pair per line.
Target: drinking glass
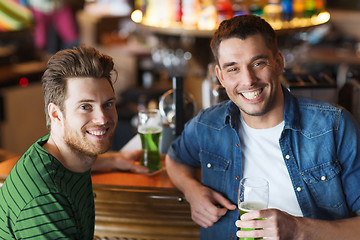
253,195
150,129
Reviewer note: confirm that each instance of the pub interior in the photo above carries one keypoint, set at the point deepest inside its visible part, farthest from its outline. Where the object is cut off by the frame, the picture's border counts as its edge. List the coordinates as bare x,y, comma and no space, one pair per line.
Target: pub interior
155,43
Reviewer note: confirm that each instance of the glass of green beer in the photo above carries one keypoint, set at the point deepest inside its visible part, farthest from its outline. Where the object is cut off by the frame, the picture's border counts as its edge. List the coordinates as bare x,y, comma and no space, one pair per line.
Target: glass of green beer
150,129
253,195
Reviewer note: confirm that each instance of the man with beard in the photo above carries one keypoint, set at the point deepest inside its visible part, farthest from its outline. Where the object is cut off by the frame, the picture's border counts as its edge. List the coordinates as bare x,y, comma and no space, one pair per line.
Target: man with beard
309,151
48,194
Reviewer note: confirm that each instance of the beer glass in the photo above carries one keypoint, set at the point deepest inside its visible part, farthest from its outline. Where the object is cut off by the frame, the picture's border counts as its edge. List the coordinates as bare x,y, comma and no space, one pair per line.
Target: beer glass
150,129
253,195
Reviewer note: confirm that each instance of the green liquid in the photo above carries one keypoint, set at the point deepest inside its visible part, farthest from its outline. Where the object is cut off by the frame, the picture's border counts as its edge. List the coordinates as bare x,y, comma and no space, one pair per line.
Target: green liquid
150,141
245,207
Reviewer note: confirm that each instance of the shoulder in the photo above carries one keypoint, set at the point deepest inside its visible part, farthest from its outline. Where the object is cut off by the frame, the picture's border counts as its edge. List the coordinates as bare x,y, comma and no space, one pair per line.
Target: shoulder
215,115
319,109
32,175
315,117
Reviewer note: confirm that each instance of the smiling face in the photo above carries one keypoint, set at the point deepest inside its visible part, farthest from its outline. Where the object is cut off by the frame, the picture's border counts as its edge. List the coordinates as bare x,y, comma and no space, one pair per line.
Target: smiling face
89,115
249,72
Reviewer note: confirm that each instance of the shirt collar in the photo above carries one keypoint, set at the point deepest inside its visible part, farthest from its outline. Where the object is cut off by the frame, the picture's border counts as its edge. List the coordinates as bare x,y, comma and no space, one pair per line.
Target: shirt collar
291,110
232,114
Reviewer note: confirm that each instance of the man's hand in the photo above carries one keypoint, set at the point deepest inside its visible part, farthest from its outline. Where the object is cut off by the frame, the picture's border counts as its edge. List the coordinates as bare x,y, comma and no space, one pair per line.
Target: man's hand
123,161
276,225
207,206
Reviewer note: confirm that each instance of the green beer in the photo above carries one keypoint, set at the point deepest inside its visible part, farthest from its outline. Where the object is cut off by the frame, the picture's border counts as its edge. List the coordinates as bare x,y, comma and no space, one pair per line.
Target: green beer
150,141
245,207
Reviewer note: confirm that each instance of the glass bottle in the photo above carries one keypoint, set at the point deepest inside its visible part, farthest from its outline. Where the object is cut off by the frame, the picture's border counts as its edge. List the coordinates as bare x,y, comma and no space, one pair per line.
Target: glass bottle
298,8
272,11
224,10
257,7
309,8
240,7
287,10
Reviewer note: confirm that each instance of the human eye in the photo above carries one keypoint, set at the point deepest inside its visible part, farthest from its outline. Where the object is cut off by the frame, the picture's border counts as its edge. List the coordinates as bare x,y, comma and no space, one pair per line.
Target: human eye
232,69
259,64
109,105
85,107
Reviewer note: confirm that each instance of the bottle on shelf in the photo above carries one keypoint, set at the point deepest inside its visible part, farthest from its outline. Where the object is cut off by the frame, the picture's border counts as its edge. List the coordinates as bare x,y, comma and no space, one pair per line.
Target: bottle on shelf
319,5
298,8
177,10
310,9
240,7
224,10
272,11
207,16
190,13
287,10
256,7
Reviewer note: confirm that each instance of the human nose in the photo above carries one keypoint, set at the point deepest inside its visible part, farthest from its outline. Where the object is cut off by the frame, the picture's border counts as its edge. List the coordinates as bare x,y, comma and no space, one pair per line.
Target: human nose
247,77
100,117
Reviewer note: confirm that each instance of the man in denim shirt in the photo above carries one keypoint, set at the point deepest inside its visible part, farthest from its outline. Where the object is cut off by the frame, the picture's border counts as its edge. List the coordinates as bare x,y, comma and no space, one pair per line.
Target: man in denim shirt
312,162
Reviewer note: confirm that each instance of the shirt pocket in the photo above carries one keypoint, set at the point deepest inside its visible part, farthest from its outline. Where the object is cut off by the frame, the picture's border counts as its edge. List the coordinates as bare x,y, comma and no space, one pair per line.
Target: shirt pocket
213,170
325,185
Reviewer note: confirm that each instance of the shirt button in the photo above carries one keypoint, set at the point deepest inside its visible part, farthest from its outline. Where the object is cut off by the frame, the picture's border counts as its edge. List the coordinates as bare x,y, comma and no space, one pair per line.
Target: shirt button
237,177
323,178
208,165
298,189
287,156
237,144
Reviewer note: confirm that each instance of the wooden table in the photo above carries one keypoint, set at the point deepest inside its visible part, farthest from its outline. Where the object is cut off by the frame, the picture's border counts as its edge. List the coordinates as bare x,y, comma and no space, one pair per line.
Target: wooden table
135,207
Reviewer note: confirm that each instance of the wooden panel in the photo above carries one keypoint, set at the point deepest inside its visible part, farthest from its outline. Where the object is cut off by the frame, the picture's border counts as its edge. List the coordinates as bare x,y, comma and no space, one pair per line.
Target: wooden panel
142,213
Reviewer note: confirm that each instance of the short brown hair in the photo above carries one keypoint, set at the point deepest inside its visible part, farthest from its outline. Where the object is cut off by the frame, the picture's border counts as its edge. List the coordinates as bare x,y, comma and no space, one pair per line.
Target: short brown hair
242,27
77,62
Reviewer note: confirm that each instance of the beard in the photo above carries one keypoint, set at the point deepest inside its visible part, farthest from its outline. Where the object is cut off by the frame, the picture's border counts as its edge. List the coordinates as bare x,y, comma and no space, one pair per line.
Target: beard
266,108
78,143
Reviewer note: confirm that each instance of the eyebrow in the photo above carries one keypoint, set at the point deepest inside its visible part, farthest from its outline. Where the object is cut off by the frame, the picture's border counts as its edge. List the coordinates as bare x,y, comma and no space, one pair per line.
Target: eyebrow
91,100
261,56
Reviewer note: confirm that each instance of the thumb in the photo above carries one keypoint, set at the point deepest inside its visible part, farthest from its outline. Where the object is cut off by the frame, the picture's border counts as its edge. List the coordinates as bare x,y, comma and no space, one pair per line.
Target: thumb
224,202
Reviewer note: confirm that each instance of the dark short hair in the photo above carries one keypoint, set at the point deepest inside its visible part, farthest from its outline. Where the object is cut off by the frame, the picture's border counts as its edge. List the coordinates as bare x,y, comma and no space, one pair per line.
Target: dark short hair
77,62
242,27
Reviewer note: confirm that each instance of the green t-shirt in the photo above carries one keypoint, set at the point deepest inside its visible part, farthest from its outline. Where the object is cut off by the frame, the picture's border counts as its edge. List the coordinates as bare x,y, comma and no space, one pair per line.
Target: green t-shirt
41,199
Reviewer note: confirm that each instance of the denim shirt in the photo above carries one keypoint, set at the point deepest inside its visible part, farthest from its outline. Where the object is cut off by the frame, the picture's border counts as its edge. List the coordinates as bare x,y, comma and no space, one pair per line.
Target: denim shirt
320,144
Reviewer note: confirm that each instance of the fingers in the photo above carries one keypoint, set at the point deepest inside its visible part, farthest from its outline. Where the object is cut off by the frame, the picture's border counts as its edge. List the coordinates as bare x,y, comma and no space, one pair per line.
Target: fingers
207,216
224,202
207,212
256,229
269,224
138,169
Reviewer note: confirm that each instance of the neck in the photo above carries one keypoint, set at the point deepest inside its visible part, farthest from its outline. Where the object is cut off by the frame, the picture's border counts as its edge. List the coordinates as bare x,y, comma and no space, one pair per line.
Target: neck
266,121
73,161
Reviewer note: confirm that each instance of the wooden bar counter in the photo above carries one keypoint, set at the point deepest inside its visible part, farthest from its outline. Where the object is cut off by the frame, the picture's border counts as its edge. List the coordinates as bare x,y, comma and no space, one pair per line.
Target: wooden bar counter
131,206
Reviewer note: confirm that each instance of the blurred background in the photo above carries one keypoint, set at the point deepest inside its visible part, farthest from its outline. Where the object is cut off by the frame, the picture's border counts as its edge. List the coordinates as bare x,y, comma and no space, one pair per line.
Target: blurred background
153,41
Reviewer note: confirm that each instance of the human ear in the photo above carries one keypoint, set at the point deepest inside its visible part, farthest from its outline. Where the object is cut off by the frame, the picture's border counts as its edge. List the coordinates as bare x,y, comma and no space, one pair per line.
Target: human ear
55,113
219,74
279,62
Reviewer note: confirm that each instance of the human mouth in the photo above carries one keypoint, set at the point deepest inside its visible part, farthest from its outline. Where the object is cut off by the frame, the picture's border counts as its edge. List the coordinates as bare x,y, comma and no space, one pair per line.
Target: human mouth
251,95
97,132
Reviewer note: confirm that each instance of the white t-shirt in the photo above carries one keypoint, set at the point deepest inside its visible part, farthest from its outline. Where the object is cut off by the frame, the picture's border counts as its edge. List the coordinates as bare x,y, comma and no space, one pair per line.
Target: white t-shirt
262,157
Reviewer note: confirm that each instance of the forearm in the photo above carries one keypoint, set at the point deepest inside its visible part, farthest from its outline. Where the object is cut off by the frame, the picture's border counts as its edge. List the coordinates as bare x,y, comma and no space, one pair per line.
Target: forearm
103,161
345,229
182,176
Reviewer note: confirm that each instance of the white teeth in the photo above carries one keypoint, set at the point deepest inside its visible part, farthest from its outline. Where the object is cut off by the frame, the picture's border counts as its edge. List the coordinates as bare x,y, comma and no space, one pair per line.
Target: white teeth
251,95
97,133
